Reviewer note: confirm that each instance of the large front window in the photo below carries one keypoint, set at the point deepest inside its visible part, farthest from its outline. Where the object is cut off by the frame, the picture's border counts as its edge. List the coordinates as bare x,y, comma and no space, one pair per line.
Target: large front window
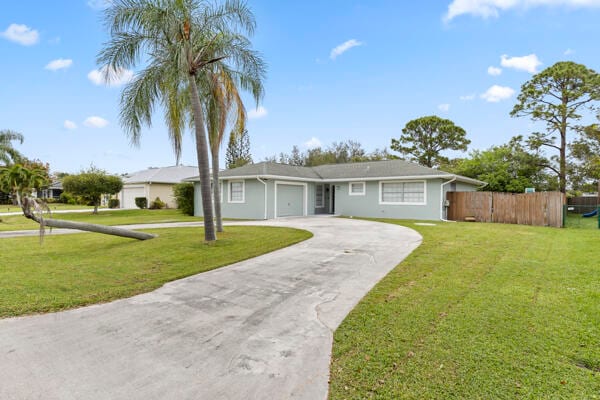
402,192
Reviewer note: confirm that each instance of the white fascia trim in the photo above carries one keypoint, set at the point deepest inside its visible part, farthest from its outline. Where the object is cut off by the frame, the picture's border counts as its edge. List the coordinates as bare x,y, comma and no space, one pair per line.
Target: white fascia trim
243,191
364,188
390,203
305,201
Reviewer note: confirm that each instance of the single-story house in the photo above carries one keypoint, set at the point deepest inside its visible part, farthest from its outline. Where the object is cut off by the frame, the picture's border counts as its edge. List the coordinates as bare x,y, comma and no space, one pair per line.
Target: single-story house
384,189
53,191
152,183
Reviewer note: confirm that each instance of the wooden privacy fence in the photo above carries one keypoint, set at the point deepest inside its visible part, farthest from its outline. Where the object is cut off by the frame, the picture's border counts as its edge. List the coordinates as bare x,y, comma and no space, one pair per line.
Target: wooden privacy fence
543,209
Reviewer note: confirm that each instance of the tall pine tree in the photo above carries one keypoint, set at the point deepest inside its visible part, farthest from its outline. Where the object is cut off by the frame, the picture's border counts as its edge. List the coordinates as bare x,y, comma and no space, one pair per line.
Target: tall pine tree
238,149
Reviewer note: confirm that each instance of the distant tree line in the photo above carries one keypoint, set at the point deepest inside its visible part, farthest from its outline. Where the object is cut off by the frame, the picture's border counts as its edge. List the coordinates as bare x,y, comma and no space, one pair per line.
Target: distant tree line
337,153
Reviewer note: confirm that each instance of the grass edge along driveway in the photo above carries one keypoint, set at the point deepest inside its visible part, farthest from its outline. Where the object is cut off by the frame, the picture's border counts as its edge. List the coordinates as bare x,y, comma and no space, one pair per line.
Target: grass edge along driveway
478,311
81,269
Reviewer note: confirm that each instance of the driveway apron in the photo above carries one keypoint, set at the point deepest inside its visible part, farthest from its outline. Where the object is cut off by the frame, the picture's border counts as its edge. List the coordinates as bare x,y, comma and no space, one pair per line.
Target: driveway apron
258,329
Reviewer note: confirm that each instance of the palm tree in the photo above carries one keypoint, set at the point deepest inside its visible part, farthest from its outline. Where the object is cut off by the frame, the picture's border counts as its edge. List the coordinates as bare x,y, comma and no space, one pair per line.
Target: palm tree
223,105
8,154
20,180
180,40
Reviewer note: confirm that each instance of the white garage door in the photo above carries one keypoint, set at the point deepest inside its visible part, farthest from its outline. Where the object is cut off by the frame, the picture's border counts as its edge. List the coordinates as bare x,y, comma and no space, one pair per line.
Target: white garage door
290,200
129,195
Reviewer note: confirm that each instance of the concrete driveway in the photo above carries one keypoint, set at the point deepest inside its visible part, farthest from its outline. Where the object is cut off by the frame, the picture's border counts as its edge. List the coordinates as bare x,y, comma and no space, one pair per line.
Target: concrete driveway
258,329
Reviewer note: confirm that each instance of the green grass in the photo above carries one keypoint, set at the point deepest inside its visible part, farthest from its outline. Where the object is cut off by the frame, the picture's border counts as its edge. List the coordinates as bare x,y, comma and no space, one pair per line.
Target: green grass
578,222
53,206
74,270
478,311
112,217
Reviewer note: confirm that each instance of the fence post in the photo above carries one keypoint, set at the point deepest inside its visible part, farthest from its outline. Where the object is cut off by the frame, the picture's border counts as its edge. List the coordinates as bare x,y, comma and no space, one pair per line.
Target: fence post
564,216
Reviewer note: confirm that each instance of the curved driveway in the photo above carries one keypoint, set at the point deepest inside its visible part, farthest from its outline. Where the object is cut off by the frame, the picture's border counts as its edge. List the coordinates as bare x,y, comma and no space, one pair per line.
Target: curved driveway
258,329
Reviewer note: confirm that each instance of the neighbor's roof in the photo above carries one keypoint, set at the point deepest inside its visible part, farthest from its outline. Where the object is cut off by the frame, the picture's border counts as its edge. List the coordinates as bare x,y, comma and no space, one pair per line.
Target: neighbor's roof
174,174
370,170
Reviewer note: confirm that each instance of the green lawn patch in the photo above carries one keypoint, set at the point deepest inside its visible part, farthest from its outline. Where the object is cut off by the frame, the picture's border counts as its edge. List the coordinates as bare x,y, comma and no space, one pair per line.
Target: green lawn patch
74,270
112,217
478,311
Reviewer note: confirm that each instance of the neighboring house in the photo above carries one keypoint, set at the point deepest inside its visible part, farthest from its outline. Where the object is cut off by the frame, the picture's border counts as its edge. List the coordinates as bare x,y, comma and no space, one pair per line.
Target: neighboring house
152,183
385,189
5,198
51,192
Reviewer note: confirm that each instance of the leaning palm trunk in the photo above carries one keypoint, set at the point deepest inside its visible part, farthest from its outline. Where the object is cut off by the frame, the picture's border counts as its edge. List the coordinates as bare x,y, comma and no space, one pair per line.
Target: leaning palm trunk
216,189
203,169
30,207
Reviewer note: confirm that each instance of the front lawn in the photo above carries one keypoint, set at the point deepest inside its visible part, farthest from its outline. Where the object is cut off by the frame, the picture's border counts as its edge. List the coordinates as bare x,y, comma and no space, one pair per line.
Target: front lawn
478,311
112,217
73,270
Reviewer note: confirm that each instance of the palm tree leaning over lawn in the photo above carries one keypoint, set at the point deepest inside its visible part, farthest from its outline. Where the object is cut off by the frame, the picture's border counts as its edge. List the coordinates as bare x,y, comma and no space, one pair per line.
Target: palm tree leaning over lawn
8,154
223,105
179,40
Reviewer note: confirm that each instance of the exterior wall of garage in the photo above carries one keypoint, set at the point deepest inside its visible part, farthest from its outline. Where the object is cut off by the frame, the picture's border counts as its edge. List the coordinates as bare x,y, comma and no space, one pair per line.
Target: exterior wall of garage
164,191
253,206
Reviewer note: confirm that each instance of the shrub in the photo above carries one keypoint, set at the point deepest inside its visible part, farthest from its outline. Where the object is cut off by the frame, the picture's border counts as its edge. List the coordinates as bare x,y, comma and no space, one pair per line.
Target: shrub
141,202
67,198
157,204
113,203
184,195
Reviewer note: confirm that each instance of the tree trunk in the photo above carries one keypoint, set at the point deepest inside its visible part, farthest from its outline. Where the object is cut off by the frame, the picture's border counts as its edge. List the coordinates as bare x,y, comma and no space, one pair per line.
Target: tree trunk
203,169
562,176
26,207
216,189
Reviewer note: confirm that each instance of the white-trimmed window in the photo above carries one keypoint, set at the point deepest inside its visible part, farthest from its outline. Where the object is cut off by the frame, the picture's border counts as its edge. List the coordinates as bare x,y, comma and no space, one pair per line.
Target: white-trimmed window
319,195
402,192
356,189
236,191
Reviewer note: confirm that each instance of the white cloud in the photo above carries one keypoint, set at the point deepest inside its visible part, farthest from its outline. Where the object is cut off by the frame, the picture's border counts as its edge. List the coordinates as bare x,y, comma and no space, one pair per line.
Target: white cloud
117,78
497,93
21,34
313,143
494,71
467,97
95,122
525,63
259,112
444,107
99,4
492,8
57,64
70,125
569,52
344,47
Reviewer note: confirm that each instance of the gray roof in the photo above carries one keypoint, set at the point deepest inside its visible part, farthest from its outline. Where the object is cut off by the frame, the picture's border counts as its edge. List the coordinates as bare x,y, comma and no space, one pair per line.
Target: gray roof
272,169
340,172
174,174
375,169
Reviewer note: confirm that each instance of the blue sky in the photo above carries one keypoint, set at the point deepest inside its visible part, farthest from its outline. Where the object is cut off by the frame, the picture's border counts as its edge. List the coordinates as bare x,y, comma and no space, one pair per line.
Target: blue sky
337,70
